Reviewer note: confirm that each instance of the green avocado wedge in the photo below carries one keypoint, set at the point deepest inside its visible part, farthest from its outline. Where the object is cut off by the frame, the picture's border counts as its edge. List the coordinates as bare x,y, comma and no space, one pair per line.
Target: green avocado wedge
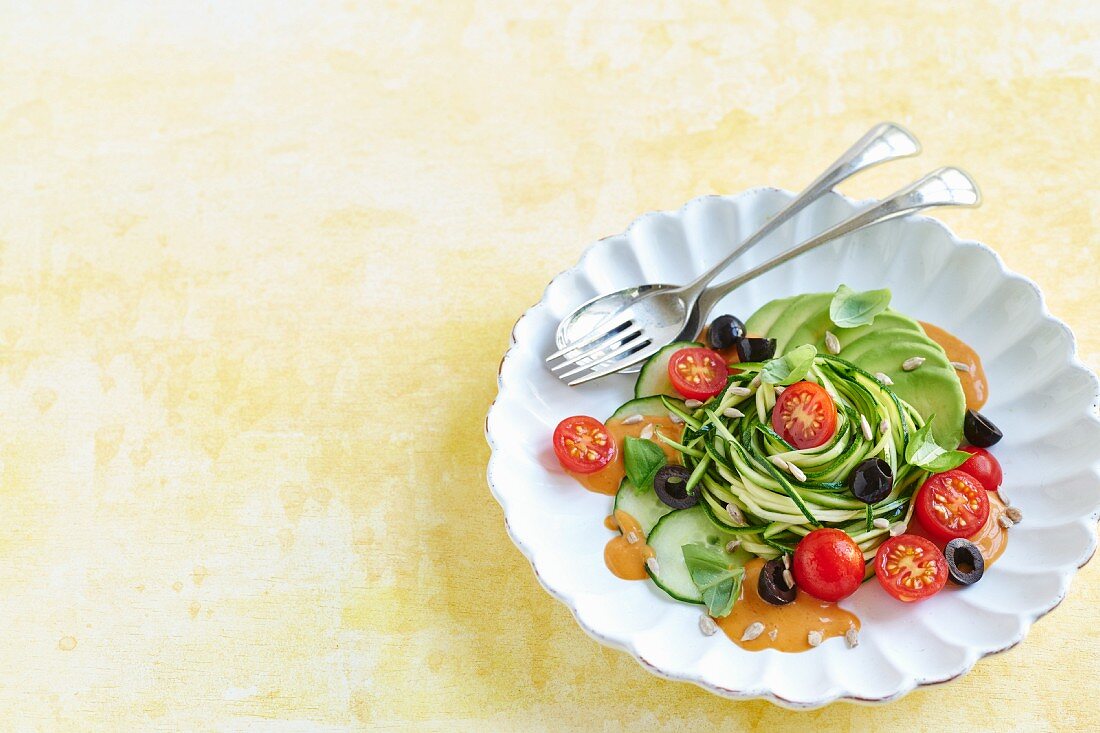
882,346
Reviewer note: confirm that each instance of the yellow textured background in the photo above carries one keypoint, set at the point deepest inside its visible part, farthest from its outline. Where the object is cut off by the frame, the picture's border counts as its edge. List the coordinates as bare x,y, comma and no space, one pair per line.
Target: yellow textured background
258,264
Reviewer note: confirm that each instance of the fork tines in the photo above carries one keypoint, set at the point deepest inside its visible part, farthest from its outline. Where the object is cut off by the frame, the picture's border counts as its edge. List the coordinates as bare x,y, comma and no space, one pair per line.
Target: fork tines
611,348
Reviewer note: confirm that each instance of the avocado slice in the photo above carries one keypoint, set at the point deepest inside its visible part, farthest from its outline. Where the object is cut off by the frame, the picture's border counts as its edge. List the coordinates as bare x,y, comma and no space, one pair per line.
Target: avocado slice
813,331
933,388
800,310
762,320
881,346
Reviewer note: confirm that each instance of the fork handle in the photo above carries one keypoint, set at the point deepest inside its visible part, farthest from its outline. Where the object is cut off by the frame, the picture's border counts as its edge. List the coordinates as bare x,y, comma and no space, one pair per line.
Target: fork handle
883,142
942,187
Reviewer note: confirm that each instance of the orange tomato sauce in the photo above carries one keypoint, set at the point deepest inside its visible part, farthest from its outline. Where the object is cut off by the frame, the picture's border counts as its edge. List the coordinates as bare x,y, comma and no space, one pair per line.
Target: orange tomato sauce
790,624
974,383
608,478
623,557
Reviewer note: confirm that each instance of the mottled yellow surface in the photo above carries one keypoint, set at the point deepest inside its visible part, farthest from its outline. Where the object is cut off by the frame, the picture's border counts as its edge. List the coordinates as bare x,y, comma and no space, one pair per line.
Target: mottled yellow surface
258,264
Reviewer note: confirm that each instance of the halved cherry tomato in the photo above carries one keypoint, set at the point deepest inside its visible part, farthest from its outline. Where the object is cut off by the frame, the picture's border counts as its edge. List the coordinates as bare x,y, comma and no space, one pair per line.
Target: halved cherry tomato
982,466
910,568
952,504
698,374
828,564
583,445
804,415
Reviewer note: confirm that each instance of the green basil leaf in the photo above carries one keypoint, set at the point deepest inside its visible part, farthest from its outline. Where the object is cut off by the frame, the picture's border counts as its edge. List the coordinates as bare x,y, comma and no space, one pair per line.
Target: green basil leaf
718,582
789,368
923,452
641,460
850,309
949,460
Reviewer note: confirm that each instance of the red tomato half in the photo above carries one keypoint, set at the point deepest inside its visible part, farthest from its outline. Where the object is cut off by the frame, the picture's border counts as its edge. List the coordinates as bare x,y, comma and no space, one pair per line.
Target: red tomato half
952,504
804,415
698,374
828,564
982,466
583,445
910,568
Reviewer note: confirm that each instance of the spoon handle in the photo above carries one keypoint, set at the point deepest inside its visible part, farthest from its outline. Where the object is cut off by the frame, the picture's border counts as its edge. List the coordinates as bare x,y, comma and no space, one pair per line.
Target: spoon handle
883,142
942,187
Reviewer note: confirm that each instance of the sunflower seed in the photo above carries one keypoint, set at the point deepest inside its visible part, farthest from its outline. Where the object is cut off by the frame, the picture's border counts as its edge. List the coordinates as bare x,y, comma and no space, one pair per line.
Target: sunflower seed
707,625
647,432
732,546
740,391
960,366
632,537
832,343
912,363
675,419
897,529
755,381
779,389
732,412
1005,521
884,427
790,468
752,631
632,420
866,428
773,633
692,404
788,578
736,515
851,636
881,523
884,378
651,563
786,561
815,637
1014,514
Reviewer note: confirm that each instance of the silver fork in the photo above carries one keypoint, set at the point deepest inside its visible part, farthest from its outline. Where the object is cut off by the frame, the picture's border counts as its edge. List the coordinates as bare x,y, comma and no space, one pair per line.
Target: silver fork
638,331
883,142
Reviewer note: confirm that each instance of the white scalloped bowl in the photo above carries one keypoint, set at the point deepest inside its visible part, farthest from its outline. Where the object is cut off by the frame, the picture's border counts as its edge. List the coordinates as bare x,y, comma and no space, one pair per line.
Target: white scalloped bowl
1042,397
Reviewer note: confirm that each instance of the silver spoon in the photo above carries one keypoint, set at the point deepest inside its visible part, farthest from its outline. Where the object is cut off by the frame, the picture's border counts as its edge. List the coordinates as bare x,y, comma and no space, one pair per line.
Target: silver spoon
663,316
884,142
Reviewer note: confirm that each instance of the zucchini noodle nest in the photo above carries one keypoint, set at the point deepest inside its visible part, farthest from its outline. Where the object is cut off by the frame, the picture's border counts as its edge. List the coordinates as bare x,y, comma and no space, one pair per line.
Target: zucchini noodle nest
741,463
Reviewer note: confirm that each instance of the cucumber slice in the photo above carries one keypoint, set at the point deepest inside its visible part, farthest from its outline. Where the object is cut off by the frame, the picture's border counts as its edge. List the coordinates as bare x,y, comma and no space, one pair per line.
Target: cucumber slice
672,532
653,379
646,407
645,507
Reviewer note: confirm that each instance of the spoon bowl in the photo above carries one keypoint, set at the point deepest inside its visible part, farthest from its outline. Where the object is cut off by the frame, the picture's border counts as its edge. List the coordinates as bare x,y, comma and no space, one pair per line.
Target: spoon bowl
584,319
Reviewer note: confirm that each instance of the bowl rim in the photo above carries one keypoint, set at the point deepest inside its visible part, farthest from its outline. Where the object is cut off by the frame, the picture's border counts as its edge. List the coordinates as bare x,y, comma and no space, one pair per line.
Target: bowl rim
910,683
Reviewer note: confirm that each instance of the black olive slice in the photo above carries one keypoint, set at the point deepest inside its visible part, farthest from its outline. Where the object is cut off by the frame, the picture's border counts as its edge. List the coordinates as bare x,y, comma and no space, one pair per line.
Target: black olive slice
872,481
979,430
965,564
755,349
724,332
773,586
670,483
